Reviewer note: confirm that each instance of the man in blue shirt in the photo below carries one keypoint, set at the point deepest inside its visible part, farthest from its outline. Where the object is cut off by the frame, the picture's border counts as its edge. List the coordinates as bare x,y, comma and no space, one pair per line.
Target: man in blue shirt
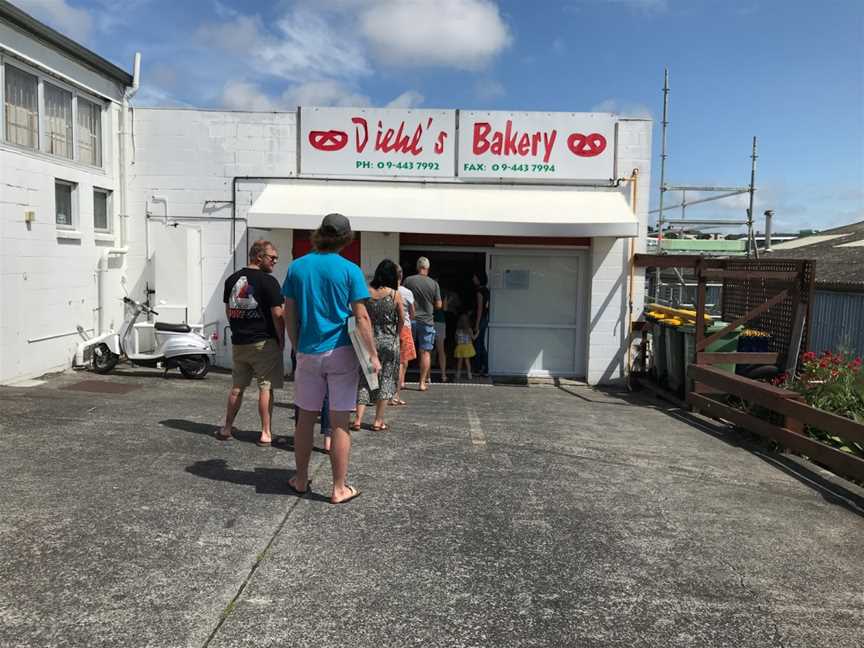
322,290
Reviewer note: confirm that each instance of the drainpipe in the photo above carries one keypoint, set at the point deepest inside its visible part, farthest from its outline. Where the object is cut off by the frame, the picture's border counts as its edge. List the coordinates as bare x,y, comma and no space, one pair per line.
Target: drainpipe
124,110
634,192
102,264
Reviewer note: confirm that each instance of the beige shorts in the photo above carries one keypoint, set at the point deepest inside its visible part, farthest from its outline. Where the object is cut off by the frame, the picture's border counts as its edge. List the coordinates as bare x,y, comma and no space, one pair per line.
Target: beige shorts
261,360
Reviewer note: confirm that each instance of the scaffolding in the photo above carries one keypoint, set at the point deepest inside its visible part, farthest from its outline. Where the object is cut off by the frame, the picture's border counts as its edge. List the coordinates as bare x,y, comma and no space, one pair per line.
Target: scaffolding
719,193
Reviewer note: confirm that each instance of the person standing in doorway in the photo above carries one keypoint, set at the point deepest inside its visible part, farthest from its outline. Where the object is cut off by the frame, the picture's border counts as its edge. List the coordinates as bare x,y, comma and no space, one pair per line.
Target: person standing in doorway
253,305
481,323
427,297
406,340
440,320
322,290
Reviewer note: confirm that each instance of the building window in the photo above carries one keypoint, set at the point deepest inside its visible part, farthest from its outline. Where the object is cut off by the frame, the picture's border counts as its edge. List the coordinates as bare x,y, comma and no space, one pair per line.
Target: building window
21,92
58,121
89,132
64,203
102,210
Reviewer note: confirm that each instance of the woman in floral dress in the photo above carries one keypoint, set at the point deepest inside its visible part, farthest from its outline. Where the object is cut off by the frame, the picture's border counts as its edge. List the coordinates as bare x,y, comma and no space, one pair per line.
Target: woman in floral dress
386,311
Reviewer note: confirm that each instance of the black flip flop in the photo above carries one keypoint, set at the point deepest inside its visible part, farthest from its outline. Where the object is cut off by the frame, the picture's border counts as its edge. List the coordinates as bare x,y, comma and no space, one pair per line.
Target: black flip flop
299,492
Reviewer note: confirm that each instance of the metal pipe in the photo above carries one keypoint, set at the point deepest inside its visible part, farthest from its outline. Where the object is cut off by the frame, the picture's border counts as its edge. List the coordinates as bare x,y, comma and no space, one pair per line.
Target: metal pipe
702,188
750,240
663,157
769,217
703,200
634,188
704,221
58,335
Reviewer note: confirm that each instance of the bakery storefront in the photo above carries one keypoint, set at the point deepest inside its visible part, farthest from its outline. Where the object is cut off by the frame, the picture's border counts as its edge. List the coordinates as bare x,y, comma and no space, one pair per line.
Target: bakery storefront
540,201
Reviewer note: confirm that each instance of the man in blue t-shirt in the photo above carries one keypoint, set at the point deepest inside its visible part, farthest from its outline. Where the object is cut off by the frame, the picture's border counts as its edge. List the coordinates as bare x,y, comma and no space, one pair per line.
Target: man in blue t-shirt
322,290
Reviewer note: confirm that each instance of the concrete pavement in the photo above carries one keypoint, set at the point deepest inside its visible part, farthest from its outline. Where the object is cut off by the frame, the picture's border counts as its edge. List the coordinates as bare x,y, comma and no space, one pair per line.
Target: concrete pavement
490,516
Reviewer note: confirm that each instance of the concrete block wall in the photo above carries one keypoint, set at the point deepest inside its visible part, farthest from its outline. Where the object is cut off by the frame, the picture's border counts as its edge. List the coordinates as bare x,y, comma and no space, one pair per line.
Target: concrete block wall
49,278
608,313
375,247
187,160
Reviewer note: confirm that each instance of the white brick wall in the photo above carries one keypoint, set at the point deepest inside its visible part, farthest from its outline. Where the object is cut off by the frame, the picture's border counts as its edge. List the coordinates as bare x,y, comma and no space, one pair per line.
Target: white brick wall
48,284
189,158
608,320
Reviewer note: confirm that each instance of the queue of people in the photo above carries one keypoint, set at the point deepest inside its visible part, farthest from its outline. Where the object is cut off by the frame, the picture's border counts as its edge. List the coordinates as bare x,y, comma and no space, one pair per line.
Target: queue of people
397,321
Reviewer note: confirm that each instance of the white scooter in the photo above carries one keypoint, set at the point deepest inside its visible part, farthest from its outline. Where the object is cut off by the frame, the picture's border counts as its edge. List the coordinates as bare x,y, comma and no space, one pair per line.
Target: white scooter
176,346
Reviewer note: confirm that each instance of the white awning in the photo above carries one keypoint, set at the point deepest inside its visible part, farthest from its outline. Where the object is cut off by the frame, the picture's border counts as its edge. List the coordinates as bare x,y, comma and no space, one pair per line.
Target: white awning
438,208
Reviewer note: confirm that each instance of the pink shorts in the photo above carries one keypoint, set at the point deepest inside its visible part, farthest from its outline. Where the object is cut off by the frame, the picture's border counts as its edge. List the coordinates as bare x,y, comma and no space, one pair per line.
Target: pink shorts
336,370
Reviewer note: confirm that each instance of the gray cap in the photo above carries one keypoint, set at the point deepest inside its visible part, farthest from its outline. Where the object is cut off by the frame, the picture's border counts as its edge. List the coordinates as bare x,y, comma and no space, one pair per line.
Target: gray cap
335,225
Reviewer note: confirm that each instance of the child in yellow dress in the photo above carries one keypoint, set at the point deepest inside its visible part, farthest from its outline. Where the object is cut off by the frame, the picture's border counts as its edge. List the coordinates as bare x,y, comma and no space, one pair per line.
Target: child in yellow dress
464,350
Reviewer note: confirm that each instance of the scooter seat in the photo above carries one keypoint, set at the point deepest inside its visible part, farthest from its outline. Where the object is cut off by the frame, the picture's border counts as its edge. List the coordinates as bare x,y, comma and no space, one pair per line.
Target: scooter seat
172,328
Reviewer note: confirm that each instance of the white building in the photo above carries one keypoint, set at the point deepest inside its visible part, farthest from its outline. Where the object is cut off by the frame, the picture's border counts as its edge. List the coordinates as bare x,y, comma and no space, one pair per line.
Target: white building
60,195
542,201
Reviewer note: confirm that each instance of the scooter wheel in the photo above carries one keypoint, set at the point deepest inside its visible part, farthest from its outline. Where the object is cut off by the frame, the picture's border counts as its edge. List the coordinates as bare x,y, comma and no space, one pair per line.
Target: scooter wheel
104,360
194,366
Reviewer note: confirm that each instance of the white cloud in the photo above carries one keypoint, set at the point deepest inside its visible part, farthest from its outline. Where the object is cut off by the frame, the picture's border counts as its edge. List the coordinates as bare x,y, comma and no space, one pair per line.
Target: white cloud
408,99
322,93
463,34
242,95
623,108
245,95
489,89
304,45
73,22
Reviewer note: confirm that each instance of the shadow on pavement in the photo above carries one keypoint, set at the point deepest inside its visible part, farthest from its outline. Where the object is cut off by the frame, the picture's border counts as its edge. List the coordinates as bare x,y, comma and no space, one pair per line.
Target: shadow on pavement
267,481
831,489
280,441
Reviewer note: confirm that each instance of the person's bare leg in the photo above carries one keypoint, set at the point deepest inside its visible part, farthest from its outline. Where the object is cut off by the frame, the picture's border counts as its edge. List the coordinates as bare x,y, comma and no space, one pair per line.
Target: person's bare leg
459,369
235,399
442,357
358,419
425,368
303,438
340,454
379,413
468,368
403,368
265,411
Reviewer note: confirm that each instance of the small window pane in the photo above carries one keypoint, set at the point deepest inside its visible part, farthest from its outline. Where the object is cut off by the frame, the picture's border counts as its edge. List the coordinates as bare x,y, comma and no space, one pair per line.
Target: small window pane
22,108
58,121
63,203
89,132
100,210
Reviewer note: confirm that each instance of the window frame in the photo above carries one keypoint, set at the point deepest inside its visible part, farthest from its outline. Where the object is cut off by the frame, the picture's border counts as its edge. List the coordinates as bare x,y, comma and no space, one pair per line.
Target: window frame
44,118
42,135
109,210
73,205
26,69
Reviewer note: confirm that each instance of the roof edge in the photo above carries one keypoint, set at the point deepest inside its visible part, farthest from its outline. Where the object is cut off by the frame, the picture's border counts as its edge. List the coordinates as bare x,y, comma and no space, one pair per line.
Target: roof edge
25,21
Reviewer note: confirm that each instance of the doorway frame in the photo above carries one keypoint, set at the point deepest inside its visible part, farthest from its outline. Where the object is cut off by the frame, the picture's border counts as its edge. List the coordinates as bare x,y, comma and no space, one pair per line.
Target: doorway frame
580,347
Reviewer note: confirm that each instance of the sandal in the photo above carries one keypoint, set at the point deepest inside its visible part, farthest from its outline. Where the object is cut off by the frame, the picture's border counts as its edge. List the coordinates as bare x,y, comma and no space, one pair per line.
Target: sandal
354,427
354,493
380,428
397,402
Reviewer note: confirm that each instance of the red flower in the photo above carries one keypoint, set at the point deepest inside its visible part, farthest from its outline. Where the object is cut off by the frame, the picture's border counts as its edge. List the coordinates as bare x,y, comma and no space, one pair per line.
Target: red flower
857,362
823,362
809,356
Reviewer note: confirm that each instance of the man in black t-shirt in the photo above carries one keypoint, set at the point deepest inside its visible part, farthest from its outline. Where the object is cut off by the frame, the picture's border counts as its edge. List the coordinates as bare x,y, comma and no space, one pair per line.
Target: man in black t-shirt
253,304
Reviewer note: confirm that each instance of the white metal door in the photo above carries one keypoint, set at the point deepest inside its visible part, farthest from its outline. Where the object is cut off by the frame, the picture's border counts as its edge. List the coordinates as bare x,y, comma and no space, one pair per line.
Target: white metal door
536,325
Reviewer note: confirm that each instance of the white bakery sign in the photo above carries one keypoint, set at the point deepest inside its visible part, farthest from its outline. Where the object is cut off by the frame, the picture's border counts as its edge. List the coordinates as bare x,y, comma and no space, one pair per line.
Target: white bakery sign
377,142
423,143
561,146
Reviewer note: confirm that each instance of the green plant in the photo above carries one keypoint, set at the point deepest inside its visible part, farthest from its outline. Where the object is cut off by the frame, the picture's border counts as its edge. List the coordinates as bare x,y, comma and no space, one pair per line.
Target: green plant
833,382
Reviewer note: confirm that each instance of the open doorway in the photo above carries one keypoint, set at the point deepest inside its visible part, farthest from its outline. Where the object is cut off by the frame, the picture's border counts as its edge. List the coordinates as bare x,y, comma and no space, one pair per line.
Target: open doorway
453,270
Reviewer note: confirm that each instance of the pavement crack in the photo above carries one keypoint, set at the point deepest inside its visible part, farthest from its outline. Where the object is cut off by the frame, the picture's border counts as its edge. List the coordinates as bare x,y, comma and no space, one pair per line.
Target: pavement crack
259,558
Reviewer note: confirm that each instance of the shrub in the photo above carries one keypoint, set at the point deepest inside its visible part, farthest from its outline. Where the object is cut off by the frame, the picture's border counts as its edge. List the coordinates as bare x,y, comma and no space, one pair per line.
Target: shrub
833,382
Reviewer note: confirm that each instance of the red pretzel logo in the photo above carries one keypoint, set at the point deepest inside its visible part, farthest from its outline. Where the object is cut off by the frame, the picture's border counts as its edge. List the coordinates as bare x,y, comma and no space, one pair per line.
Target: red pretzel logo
586,145
332,140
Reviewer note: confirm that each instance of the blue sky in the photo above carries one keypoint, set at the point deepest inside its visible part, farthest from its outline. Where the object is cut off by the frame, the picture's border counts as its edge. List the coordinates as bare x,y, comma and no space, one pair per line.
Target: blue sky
789,72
